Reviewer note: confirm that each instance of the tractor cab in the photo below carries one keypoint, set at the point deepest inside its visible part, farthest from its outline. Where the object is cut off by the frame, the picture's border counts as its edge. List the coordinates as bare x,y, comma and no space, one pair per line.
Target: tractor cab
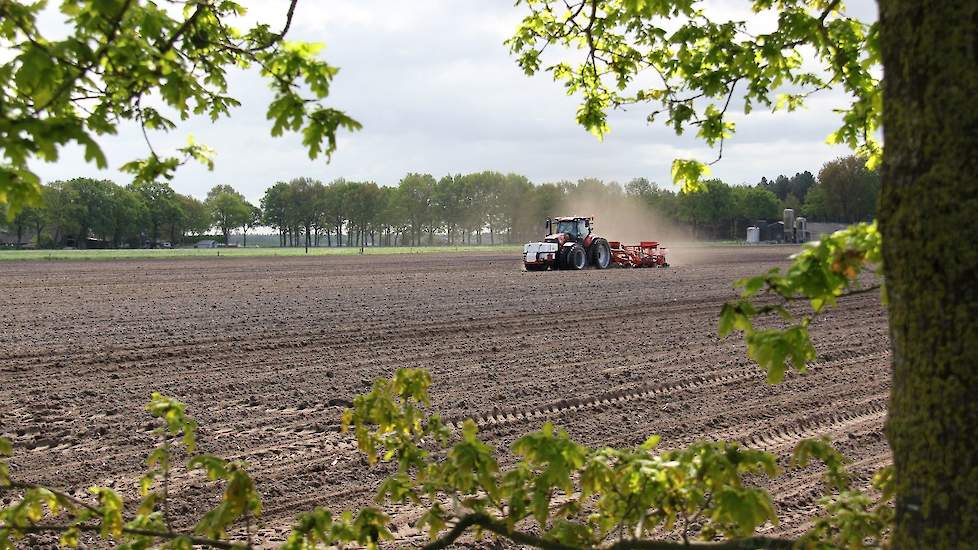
575,228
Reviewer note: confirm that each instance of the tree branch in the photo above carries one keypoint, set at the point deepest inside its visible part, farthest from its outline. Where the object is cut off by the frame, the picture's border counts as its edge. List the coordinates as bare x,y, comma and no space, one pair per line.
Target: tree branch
74,500
852,292
500,528
168,45
726,105
288,19
109,39
751,543
863,290
168,535
277,37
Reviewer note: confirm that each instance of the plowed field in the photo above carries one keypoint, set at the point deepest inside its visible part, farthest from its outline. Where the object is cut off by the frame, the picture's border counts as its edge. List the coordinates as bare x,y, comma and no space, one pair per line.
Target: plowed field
266,352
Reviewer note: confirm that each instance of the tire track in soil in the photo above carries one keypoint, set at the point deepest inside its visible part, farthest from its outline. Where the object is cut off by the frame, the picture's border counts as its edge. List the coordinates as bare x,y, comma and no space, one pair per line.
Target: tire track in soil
780,437
797,502
616,398
792,505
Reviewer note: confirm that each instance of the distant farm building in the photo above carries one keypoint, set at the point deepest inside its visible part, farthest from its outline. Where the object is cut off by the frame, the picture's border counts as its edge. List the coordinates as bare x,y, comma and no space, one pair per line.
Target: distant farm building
208,243
9,240
816,230
791,230
89,243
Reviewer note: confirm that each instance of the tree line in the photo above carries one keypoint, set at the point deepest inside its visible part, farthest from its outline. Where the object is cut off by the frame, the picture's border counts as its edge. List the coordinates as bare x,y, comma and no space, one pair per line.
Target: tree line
478,208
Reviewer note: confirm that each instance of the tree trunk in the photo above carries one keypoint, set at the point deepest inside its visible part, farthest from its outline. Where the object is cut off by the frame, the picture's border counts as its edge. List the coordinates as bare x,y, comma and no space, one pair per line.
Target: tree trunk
927,217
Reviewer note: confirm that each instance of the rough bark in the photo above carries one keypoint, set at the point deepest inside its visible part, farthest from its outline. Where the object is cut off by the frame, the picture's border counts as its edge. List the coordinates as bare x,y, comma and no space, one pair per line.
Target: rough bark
929,217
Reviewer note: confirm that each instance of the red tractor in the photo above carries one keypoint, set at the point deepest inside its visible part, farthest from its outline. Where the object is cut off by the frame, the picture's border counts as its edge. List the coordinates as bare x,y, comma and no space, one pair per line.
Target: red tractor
571,244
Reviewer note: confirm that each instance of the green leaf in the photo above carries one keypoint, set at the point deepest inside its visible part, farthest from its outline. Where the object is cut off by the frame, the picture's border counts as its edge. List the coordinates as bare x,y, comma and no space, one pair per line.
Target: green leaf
111,508
688,174
773,348
434,519
216,467
822,450
651,442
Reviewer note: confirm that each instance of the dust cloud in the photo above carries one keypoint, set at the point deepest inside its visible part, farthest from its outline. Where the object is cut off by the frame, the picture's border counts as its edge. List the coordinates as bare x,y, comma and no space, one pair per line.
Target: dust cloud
618,217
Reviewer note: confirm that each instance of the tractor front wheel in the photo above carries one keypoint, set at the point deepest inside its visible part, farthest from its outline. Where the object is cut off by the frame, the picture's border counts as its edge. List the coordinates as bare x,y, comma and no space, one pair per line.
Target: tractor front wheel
575,258
535,267
600,253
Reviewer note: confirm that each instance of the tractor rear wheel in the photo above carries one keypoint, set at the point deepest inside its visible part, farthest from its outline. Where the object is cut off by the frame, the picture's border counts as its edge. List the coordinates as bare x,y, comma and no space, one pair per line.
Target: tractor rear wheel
575,258
600,253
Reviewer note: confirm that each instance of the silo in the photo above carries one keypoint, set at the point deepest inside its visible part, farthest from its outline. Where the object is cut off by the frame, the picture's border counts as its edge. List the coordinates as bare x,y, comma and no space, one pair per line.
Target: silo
789,225
801,229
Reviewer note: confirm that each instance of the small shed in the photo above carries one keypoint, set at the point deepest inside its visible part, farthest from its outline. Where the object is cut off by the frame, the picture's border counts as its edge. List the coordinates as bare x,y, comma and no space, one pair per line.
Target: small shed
772,232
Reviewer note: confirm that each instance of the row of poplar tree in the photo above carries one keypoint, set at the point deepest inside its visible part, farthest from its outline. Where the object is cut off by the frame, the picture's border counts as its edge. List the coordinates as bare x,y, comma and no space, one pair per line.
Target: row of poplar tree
478,208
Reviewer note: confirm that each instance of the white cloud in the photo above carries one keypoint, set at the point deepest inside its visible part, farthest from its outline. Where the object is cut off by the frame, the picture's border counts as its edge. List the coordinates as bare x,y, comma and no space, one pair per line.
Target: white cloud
438,92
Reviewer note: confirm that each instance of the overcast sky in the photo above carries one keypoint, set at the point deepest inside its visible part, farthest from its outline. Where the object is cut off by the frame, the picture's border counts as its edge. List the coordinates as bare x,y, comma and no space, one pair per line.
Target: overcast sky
437,92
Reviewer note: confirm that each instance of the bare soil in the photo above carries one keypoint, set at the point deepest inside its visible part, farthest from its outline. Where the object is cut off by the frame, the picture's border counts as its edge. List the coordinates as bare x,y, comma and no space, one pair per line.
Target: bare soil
266,352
